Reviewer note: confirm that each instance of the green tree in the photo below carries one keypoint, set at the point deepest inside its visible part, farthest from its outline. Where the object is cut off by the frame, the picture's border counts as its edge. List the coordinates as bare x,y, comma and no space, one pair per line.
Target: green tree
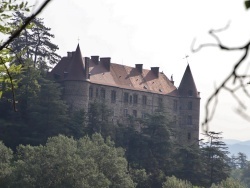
77,125
6,56
176,183
5,163
149,146
65,162
41,111
99,120
245,178
229,183
242,160
214,153
34,42
190,165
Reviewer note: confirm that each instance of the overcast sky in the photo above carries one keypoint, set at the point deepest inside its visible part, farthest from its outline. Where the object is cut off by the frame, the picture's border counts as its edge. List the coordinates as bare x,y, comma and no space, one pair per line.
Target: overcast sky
160,33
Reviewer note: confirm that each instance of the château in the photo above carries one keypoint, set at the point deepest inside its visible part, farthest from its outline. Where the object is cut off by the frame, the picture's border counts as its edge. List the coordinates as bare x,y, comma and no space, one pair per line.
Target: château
129,91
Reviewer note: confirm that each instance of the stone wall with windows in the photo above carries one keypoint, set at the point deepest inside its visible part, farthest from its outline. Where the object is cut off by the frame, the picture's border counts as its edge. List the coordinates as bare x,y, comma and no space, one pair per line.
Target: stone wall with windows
183,112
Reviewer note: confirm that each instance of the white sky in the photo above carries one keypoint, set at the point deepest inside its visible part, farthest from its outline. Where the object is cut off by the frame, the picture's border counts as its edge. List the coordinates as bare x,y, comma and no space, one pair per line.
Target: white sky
159,33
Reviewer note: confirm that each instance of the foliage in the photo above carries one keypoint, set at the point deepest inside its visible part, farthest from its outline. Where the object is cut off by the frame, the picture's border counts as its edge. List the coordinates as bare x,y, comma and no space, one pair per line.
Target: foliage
65,162
229,183
34,43
190,165
6,9
245,178
214,153
148,146
41,111
99,120
5,161
176,183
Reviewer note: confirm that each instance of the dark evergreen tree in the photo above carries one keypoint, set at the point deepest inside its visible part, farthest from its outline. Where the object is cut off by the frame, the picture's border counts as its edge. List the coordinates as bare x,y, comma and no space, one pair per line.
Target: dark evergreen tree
99,120
190,165
77,125
214,153
34,43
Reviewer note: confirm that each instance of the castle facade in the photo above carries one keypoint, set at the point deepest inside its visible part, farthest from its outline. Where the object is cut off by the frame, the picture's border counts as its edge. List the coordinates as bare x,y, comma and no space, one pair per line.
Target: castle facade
130,91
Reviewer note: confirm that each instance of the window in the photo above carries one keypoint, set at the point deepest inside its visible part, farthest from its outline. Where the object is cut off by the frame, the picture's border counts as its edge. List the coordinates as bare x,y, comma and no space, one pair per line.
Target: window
96,93
190,105
160,101
103,93
125,112
126,97
189,120
90,92
190,93
144,100
189,136
113,96
135,98
135,113
130,99
175,105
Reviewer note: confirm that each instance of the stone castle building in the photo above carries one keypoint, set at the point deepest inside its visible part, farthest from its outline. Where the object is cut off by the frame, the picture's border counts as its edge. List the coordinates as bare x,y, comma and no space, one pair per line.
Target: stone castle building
129,91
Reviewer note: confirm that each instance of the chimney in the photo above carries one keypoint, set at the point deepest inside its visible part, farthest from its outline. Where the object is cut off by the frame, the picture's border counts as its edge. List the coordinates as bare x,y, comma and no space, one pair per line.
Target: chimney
155,70
106,62
139,67
172,79
69,54
87,75
95,59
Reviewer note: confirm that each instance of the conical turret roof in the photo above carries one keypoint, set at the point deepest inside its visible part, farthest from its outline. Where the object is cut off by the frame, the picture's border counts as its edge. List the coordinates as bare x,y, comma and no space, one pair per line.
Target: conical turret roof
76,68
187,86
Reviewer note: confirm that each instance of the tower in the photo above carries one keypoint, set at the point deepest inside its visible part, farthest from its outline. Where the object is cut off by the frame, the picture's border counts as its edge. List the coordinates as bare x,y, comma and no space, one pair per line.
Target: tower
189,109
73,73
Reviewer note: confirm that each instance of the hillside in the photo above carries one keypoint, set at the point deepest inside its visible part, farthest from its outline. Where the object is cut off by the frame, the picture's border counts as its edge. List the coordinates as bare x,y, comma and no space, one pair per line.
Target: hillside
236,146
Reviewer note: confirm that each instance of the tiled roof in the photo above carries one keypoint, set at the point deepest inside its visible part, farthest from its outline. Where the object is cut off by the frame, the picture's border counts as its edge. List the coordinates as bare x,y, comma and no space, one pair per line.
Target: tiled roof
129,77
187,84
72,68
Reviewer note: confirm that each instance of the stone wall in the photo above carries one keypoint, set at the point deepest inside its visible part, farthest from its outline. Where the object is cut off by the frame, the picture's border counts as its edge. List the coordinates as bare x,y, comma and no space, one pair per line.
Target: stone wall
183,112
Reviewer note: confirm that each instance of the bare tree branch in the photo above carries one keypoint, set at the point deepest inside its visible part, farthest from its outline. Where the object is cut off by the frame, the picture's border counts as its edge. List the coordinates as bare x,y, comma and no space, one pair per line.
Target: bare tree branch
232,75
21,28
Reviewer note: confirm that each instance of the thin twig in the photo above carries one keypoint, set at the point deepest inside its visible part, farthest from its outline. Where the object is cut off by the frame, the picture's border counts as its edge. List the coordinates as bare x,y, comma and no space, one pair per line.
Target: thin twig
233,75
27,21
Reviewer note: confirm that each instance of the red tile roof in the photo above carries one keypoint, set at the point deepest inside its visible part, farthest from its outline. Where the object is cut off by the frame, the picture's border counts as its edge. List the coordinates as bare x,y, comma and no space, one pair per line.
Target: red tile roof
118,76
